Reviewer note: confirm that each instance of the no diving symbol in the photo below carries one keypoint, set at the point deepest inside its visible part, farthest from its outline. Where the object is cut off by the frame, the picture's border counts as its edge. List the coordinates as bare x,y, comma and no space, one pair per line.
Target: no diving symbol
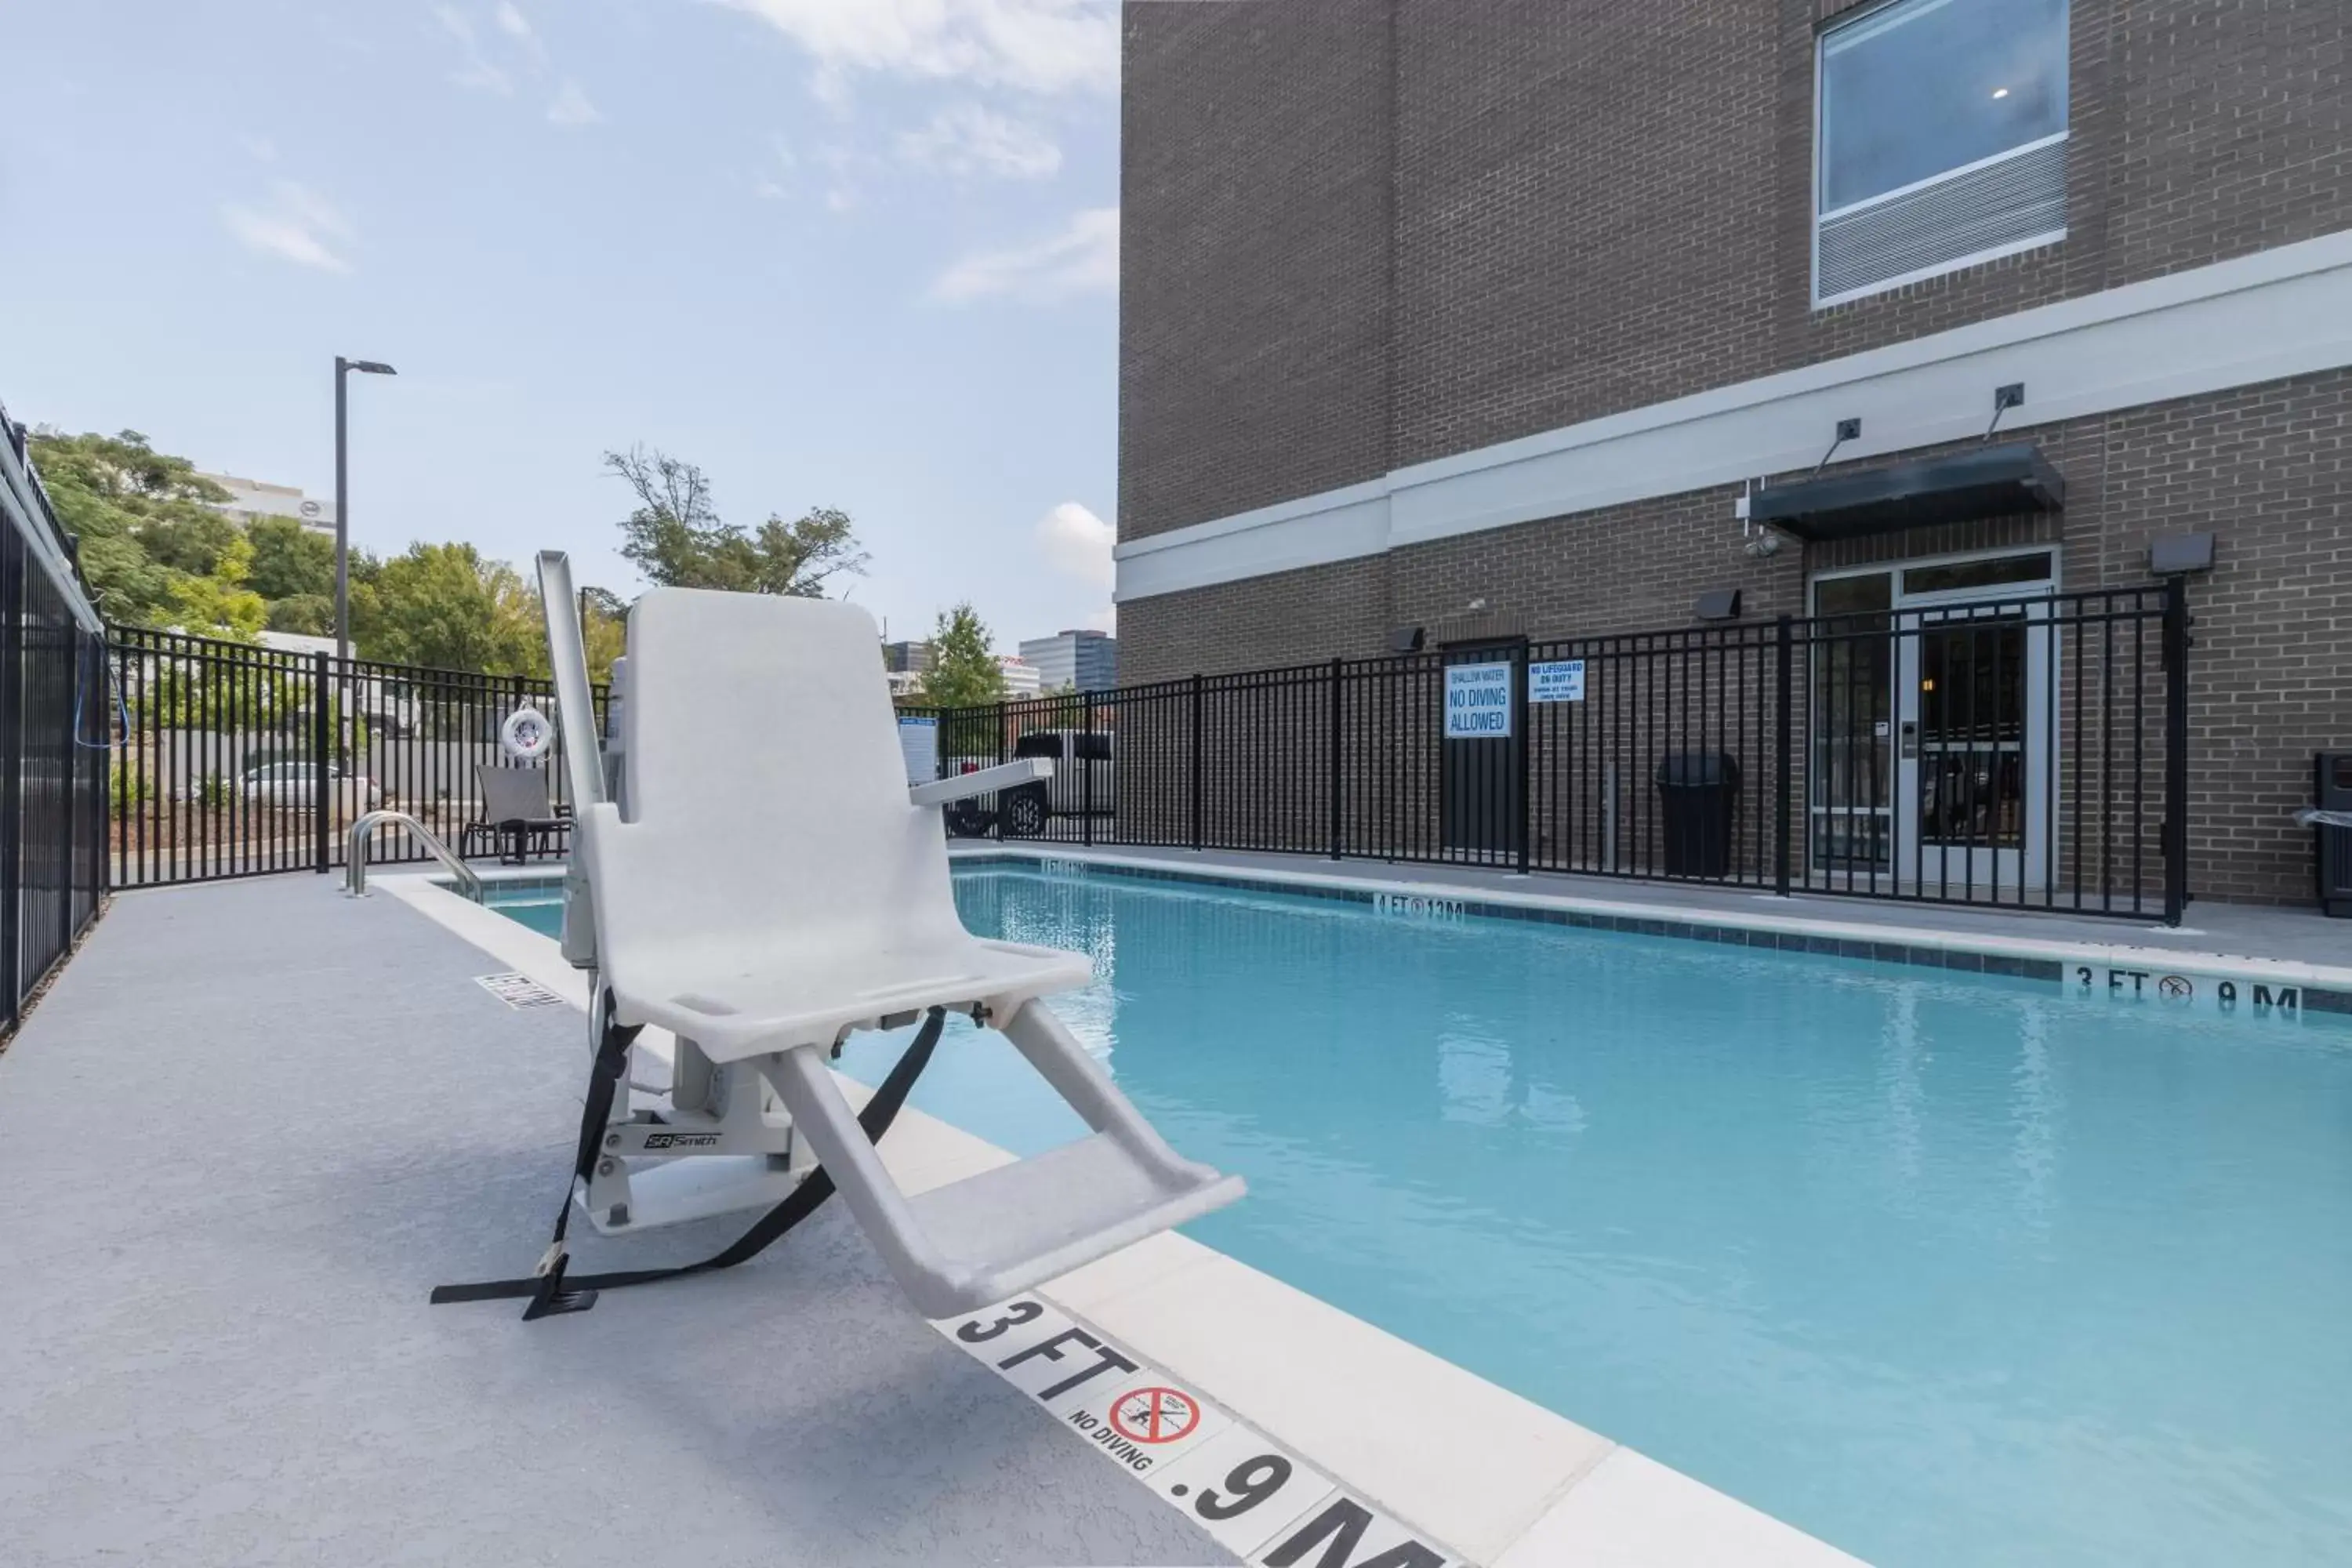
1155,1415
2175,988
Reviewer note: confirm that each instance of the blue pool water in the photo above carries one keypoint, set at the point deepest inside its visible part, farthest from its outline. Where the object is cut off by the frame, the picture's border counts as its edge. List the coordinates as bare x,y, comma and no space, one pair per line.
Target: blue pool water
1945,1269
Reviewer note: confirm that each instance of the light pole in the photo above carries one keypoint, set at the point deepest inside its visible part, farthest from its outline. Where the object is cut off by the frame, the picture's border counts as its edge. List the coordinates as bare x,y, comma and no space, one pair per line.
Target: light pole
343,367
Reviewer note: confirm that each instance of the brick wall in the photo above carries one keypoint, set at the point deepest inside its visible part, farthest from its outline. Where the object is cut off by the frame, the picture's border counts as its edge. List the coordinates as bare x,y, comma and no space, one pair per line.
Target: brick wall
1366,233
1253,275
2269,469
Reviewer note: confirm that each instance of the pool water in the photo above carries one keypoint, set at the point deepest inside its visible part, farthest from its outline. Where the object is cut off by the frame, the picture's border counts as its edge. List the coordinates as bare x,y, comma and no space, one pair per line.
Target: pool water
1945,1269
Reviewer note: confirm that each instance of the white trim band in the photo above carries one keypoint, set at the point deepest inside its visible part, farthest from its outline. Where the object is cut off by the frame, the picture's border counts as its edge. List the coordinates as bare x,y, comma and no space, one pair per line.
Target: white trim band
2281,312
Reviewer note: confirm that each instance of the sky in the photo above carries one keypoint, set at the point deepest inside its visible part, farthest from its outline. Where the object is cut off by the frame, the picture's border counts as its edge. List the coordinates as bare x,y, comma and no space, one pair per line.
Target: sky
850,253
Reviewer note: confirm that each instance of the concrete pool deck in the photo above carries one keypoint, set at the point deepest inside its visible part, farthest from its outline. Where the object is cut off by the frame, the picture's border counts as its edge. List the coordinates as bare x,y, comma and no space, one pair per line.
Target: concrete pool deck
253,1124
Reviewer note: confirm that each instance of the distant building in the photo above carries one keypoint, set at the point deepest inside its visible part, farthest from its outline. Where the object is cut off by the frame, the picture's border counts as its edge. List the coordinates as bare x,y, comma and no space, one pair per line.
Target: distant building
1084,660
907,657
906,685
251,498
1021,676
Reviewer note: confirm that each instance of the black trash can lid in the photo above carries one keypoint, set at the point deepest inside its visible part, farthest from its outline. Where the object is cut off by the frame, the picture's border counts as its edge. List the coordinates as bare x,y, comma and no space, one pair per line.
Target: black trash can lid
1696,770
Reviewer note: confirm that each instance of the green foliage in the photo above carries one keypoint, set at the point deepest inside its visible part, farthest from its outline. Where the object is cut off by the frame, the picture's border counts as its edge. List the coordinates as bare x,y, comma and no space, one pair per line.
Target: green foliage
290,562
154,547
127,790
215,790
676,537
445,606
963,673
309,615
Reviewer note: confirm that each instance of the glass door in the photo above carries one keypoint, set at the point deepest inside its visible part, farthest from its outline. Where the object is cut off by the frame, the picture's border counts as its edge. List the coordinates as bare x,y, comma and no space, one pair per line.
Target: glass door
1972,692
1929,718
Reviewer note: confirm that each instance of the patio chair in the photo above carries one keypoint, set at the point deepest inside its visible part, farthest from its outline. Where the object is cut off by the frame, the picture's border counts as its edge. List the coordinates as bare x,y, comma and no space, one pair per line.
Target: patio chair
515,818
774,887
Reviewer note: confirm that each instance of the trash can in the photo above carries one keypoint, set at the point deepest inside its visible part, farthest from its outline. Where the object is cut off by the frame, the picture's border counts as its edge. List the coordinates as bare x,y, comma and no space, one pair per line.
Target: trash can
1698,795
2331,794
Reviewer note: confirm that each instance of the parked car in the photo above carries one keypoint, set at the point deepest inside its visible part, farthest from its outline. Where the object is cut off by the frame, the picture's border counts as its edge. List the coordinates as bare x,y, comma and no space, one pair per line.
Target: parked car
1082,784
294,786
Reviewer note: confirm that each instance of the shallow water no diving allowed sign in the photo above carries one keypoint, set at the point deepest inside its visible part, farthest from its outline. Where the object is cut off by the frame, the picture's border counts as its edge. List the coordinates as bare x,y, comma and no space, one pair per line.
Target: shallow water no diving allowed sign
1477,702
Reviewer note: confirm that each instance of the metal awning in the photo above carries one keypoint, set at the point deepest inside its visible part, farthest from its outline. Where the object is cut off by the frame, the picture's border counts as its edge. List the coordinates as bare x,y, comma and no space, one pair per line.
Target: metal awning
1991,481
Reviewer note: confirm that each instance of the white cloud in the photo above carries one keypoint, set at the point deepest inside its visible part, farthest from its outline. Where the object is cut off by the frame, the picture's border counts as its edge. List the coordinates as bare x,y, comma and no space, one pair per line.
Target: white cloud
1077,544
258,147
297,225
476,69
572,107
968,139
1033,45
516,25
1083,258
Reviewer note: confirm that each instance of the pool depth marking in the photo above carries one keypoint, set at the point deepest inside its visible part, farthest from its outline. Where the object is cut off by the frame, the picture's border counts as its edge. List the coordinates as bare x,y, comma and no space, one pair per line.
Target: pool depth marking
518,991
1255,1498
2229,995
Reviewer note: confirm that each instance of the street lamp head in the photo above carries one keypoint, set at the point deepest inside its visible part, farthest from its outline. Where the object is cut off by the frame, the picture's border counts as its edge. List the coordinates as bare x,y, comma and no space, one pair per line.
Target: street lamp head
370,367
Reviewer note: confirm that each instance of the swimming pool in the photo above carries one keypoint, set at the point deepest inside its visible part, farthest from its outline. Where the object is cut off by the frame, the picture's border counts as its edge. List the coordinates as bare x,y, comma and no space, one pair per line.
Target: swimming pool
1946,1269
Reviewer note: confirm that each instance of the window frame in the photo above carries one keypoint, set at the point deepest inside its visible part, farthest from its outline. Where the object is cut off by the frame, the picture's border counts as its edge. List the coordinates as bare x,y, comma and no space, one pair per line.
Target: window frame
1822,33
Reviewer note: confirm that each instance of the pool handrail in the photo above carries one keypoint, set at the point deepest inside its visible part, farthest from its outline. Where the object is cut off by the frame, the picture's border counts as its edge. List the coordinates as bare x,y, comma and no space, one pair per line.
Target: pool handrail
355,862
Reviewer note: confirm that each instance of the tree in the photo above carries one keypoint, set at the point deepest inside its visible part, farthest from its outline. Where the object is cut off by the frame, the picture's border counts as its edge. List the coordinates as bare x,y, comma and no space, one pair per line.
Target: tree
290,561
676,538
963,673
150,532
603,623
445,606
310,615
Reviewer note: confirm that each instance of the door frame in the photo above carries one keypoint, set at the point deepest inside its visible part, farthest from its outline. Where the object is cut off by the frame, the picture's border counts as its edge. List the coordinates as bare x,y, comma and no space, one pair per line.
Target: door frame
1911,861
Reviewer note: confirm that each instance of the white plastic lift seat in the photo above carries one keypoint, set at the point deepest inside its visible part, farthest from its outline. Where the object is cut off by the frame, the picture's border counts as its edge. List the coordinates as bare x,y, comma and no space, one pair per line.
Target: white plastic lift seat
774,889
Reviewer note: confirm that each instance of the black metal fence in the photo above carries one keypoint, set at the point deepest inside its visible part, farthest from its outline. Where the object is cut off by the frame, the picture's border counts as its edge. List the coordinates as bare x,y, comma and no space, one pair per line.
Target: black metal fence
2029,752
238,760
52,739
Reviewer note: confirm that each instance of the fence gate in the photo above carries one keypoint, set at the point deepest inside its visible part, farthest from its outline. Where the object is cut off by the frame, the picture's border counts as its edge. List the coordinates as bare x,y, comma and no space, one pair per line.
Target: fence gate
237,761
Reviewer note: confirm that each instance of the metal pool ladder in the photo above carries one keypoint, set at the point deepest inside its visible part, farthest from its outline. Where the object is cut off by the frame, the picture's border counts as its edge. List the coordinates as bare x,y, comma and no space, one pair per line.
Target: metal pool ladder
355,859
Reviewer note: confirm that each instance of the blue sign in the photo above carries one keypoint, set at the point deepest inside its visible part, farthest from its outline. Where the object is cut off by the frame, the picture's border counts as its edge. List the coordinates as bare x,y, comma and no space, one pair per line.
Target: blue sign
1477,702
1559,681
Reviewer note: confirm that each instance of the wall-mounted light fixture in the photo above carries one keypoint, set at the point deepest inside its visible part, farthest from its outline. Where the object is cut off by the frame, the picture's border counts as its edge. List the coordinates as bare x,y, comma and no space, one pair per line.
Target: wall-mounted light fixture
2181,553
1718,605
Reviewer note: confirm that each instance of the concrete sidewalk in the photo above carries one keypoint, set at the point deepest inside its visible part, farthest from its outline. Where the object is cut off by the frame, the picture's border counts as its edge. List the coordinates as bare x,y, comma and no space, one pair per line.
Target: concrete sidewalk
254,1123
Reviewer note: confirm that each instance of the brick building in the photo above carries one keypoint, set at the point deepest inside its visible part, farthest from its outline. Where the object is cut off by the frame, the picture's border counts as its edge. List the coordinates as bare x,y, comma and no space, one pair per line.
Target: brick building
1448,323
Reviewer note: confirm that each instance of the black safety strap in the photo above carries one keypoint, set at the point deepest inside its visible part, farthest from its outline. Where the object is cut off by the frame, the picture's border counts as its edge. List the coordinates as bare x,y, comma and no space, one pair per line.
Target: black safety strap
548,1289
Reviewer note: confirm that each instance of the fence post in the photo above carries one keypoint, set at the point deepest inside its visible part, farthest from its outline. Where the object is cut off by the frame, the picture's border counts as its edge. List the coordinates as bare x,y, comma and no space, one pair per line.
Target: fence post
13,567
1522,765
1782,759
322,793
1196,762
2175,749
1086,762
1332,761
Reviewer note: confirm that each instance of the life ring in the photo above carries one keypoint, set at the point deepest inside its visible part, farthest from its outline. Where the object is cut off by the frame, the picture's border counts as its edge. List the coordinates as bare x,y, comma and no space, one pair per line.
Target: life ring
528,735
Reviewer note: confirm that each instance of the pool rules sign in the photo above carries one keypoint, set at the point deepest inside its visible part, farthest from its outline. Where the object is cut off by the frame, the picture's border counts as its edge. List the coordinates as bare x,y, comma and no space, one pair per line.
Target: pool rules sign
1477,702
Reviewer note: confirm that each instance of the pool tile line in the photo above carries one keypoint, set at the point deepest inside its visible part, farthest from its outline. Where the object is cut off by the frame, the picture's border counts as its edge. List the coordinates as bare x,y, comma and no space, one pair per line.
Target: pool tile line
1501,1481
2320,989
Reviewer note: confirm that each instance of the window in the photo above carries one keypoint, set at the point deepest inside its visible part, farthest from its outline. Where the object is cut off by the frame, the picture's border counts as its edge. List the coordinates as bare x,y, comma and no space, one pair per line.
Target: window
1942,139
1950,575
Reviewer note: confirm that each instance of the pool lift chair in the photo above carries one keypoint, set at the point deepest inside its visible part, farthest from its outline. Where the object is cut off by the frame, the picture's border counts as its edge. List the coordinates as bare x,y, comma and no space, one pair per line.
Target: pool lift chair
766,884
